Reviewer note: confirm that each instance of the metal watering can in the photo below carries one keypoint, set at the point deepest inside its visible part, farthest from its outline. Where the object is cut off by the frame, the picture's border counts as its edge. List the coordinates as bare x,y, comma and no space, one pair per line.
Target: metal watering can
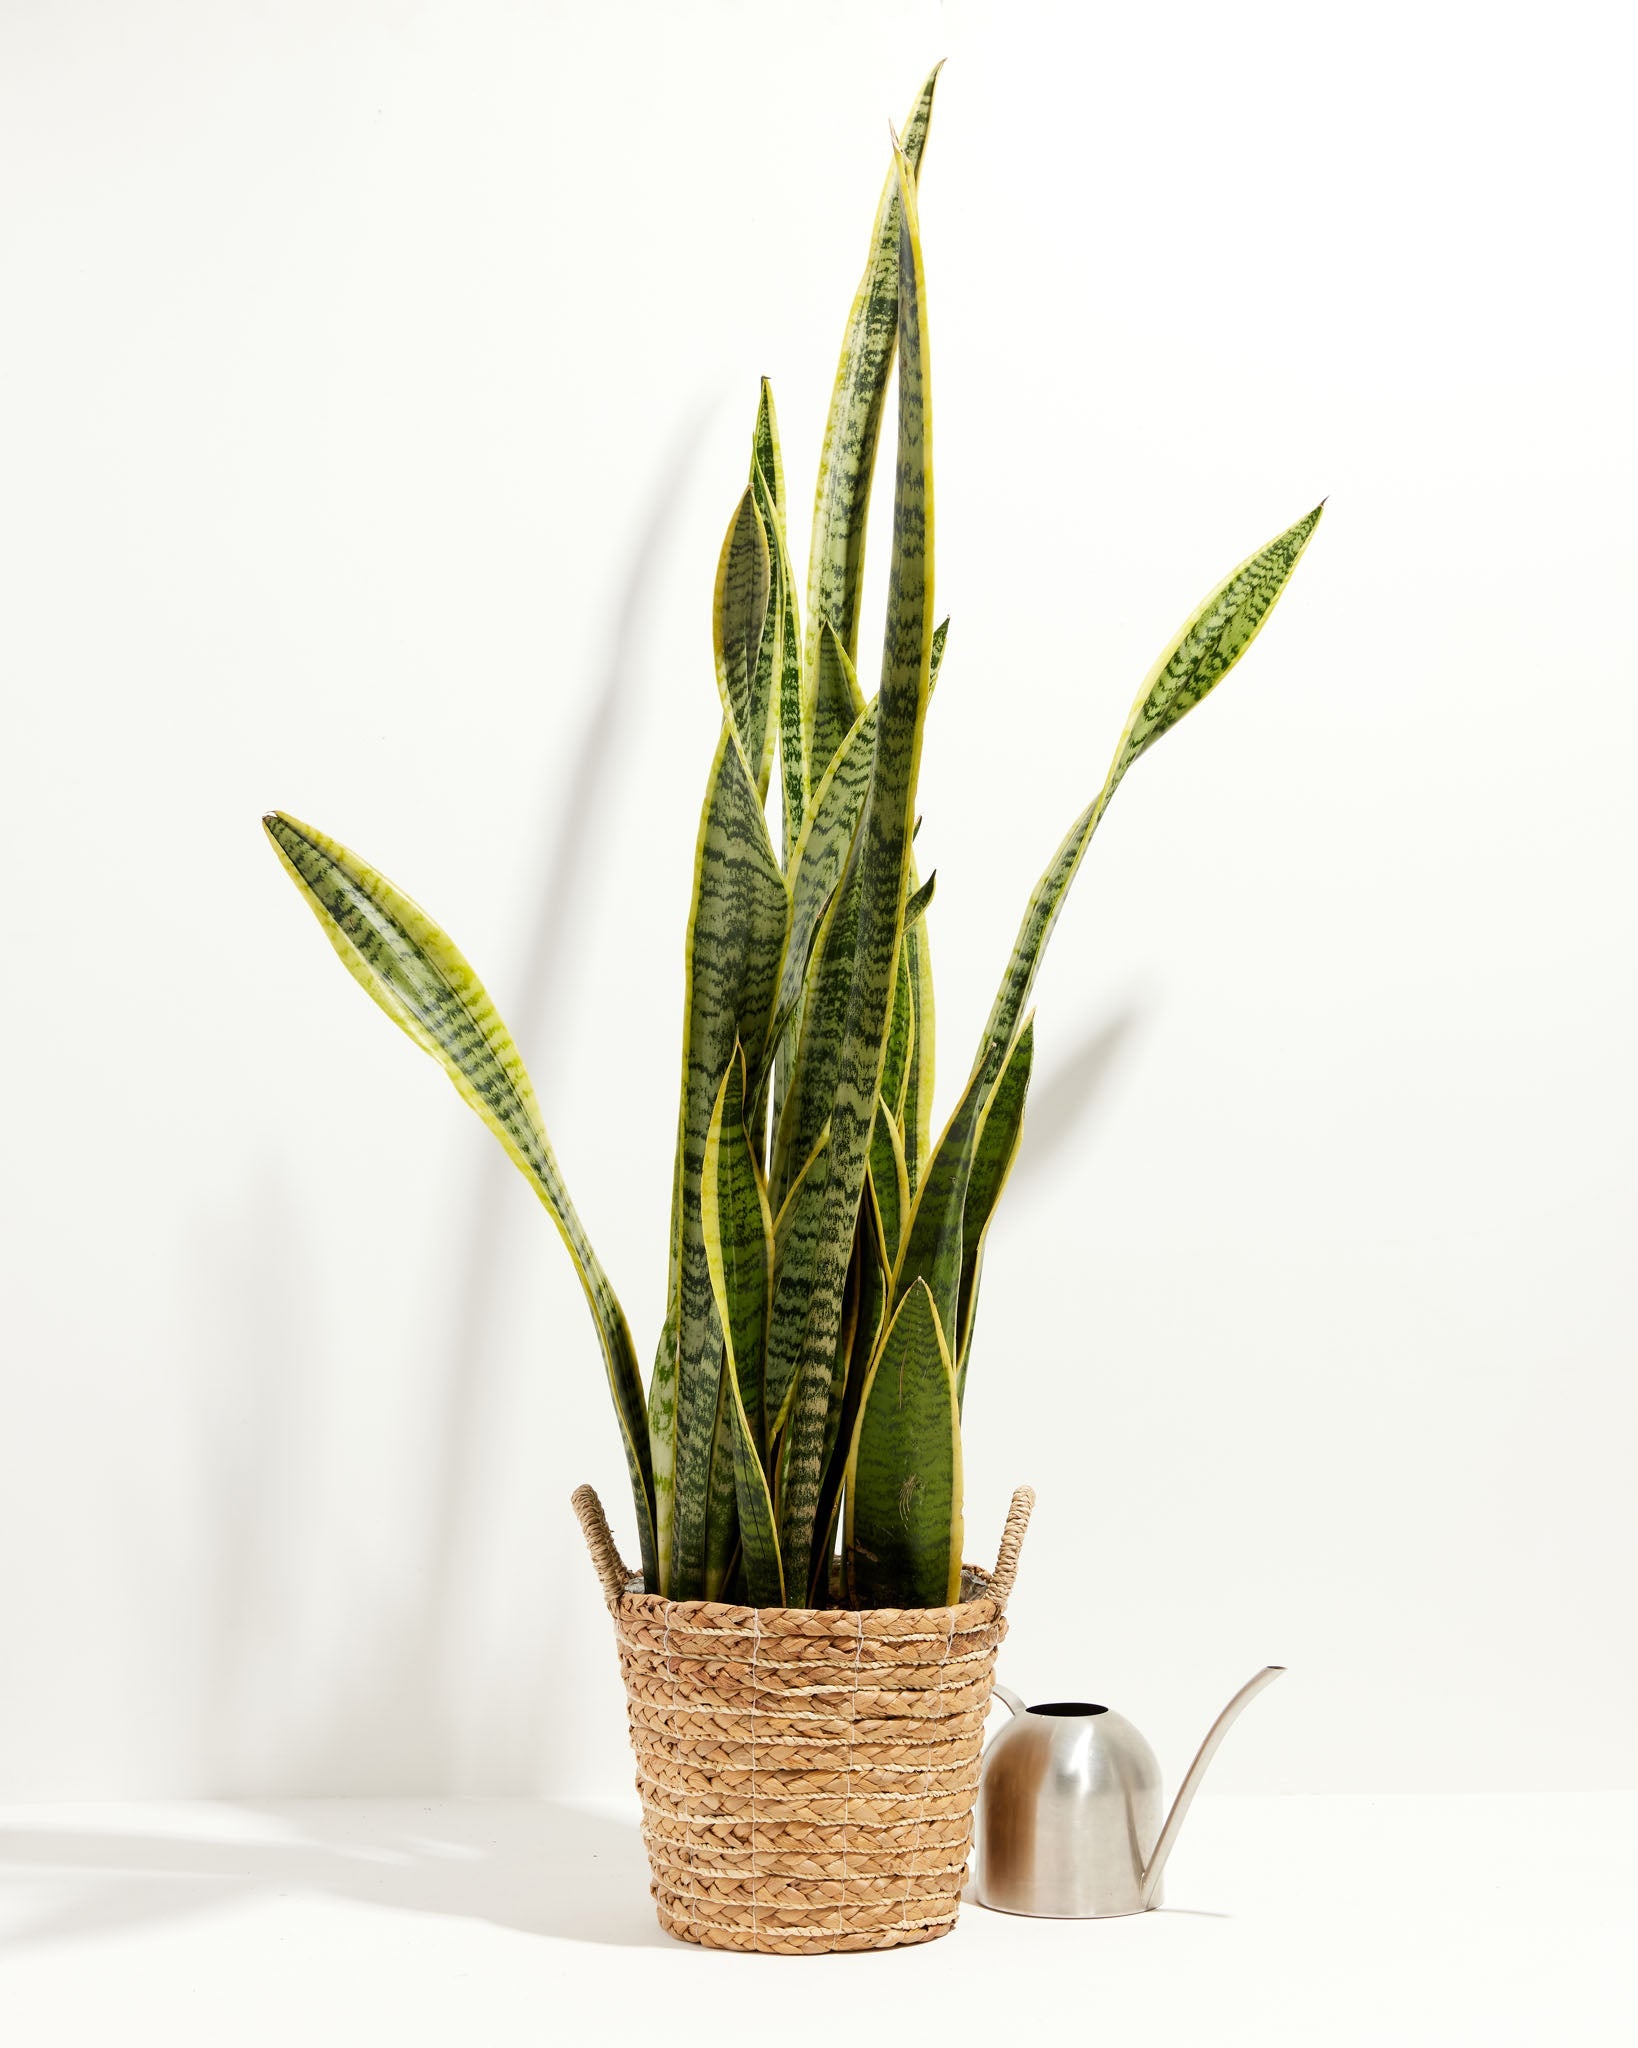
1069,1809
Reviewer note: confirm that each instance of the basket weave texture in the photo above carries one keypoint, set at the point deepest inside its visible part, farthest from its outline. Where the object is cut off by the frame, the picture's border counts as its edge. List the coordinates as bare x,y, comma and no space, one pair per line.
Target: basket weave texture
807,1774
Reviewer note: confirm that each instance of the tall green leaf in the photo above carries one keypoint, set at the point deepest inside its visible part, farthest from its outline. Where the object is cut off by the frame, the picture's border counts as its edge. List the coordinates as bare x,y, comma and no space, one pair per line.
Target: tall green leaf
415,972
868,1284
889,1179
916,1108
901,1034
721,1490
882,853
847,461
814,869
820,1029
736,934
932,1238
738,1235
797,1228
913,1102
765,456
795,717
838,702
739,616
783,630
768,688
839,705
737,1227
904,1507
1212,641
993,1156
841,1361
785,1018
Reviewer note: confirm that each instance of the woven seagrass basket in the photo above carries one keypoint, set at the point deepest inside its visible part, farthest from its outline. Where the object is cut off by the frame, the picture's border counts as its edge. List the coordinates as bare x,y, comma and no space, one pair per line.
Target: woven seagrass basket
807,1774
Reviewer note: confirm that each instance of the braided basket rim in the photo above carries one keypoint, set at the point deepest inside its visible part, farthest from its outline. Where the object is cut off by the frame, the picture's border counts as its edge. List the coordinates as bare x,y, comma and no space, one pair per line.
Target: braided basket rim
975,1591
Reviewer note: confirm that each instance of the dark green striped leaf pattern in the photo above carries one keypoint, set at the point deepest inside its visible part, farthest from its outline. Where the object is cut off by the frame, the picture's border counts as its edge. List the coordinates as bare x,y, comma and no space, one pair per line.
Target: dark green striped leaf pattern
912,1092
768,688
1210,644
916,1110
796,1248
766,457
838,701
822,1022
888,1177
919,900
847,462
882,852
814,870
841,1360
867,1285
736,934
932,1250
737,1228
783,628
838,804
993,1155
1214,639
901,1028
417,974
740,614
795,715
738,1234
904,1507
785,1018
721,1491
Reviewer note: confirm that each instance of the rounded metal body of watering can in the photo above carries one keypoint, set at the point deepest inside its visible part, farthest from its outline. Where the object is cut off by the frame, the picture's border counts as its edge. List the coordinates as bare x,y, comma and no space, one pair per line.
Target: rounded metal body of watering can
1070,1806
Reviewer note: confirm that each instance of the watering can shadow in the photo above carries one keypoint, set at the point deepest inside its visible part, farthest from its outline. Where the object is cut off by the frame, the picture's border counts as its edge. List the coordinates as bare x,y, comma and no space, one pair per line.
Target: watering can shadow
1069,1809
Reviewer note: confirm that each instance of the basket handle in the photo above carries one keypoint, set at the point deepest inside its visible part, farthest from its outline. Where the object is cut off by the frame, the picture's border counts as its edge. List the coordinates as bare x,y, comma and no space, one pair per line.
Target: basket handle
594,1526
1012,1541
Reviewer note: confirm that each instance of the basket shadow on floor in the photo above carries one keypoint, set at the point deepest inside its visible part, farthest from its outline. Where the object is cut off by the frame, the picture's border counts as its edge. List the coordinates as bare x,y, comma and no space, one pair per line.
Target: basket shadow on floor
555,1870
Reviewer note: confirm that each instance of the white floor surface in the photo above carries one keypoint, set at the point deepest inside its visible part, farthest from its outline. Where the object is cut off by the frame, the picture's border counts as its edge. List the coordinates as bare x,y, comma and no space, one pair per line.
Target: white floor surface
1321,1921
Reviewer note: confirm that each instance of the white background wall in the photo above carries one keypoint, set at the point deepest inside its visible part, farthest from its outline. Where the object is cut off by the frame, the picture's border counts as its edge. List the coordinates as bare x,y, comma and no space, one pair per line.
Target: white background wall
378,384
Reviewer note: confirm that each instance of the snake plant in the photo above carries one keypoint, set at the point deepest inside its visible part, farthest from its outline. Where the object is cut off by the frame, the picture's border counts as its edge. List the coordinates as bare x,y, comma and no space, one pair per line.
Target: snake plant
826,1249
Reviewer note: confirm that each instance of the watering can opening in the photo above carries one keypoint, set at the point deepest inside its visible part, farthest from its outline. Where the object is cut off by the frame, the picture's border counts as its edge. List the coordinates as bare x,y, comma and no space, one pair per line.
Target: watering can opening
1066,1709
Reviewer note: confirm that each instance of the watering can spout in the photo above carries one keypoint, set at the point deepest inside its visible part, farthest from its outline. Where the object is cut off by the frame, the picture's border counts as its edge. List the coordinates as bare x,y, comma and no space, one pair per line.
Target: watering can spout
1197,1770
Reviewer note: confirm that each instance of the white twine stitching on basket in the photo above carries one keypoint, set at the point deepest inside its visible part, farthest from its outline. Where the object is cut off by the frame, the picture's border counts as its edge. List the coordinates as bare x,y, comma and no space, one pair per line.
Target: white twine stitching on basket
756,1645
847,1783
926,1793
671,1732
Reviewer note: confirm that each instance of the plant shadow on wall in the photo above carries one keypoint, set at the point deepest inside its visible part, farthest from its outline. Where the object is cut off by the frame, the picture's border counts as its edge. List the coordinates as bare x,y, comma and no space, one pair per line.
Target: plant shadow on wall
1066,1098
398,1705
536,1868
